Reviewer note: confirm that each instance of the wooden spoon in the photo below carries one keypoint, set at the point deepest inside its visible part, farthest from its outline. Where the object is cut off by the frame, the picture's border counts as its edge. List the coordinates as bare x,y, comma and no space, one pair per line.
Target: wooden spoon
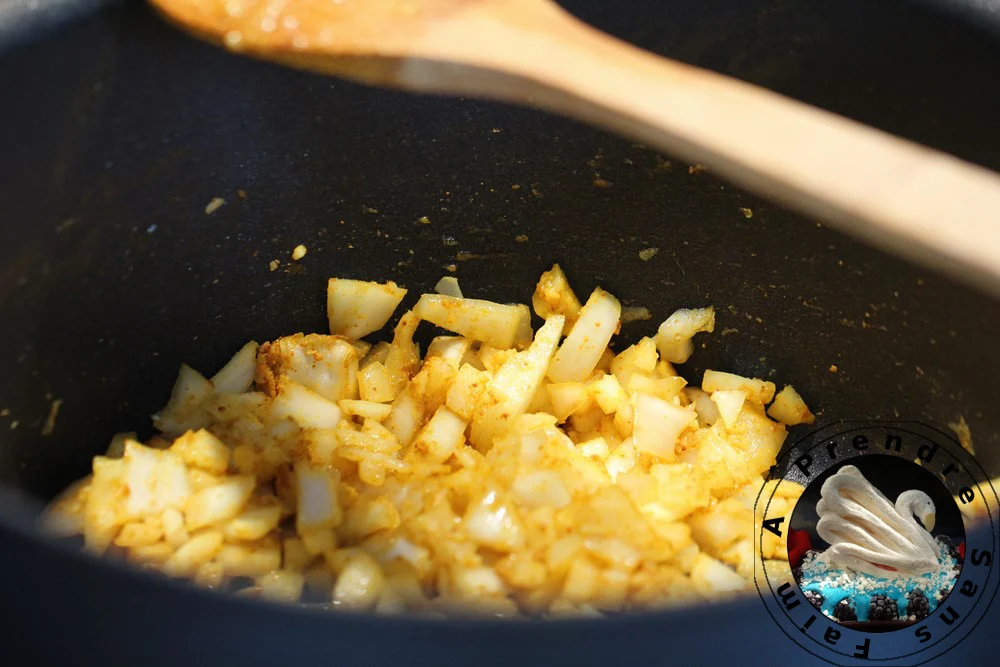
905,197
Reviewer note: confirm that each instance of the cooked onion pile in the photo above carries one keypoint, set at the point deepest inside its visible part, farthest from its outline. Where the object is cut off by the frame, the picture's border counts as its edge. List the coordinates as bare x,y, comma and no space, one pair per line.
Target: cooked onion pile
506,472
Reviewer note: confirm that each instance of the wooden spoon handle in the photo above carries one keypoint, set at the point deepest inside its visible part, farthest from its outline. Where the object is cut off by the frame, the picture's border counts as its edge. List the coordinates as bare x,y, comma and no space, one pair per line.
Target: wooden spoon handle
904,197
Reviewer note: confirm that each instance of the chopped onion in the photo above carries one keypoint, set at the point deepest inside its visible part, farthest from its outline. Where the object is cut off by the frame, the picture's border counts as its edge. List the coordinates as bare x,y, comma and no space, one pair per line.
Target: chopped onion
510,391
789,408
449,287
356,308
657,425
495,324
729,402
583,347
758,391
237,375
305,407
674,336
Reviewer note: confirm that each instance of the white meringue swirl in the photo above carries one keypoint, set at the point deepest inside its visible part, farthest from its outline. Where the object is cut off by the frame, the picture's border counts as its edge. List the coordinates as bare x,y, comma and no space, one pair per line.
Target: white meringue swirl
869,534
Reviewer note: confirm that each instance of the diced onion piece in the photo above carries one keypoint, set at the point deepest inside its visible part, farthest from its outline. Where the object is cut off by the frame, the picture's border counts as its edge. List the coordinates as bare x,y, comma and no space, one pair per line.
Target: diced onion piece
155,479
442,435
568,398
365,409
465,390
540,402
152,554
624,419
65,515
318,505
199,550
492,358
201,449
376,384
710,574
789,408
758,391
405,417
104,512
321,443
594,447
477,582
233,408
174,532
729,402
657,425
116,448
369,517
718,526
524,332
362,347
218,503
281,586
493,523
638,358
139,534
378,353
673,338
450,348
492,323
583,580
403,358
237,375
405,550
304,406
251,559
201,479
583,347
327,365
608,393
318,540
510,391
430,386
356,308
682,490
181,413
554,296
665,388
448,285
708,411
541,488
294,555
360,581
253,523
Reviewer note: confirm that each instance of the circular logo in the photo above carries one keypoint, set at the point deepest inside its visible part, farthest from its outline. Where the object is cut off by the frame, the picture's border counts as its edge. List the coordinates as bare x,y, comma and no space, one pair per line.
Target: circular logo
876,543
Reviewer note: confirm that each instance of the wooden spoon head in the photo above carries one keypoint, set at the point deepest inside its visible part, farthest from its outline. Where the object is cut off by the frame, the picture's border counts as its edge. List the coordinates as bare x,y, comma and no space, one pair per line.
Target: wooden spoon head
363,39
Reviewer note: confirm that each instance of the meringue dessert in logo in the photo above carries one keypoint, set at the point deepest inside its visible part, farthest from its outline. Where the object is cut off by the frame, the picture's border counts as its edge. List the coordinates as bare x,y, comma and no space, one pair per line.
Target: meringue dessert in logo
883,563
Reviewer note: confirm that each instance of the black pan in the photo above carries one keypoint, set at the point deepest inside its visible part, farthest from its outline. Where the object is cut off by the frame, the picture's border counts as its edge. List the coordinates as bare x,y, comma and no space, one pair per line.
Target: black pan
118,131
